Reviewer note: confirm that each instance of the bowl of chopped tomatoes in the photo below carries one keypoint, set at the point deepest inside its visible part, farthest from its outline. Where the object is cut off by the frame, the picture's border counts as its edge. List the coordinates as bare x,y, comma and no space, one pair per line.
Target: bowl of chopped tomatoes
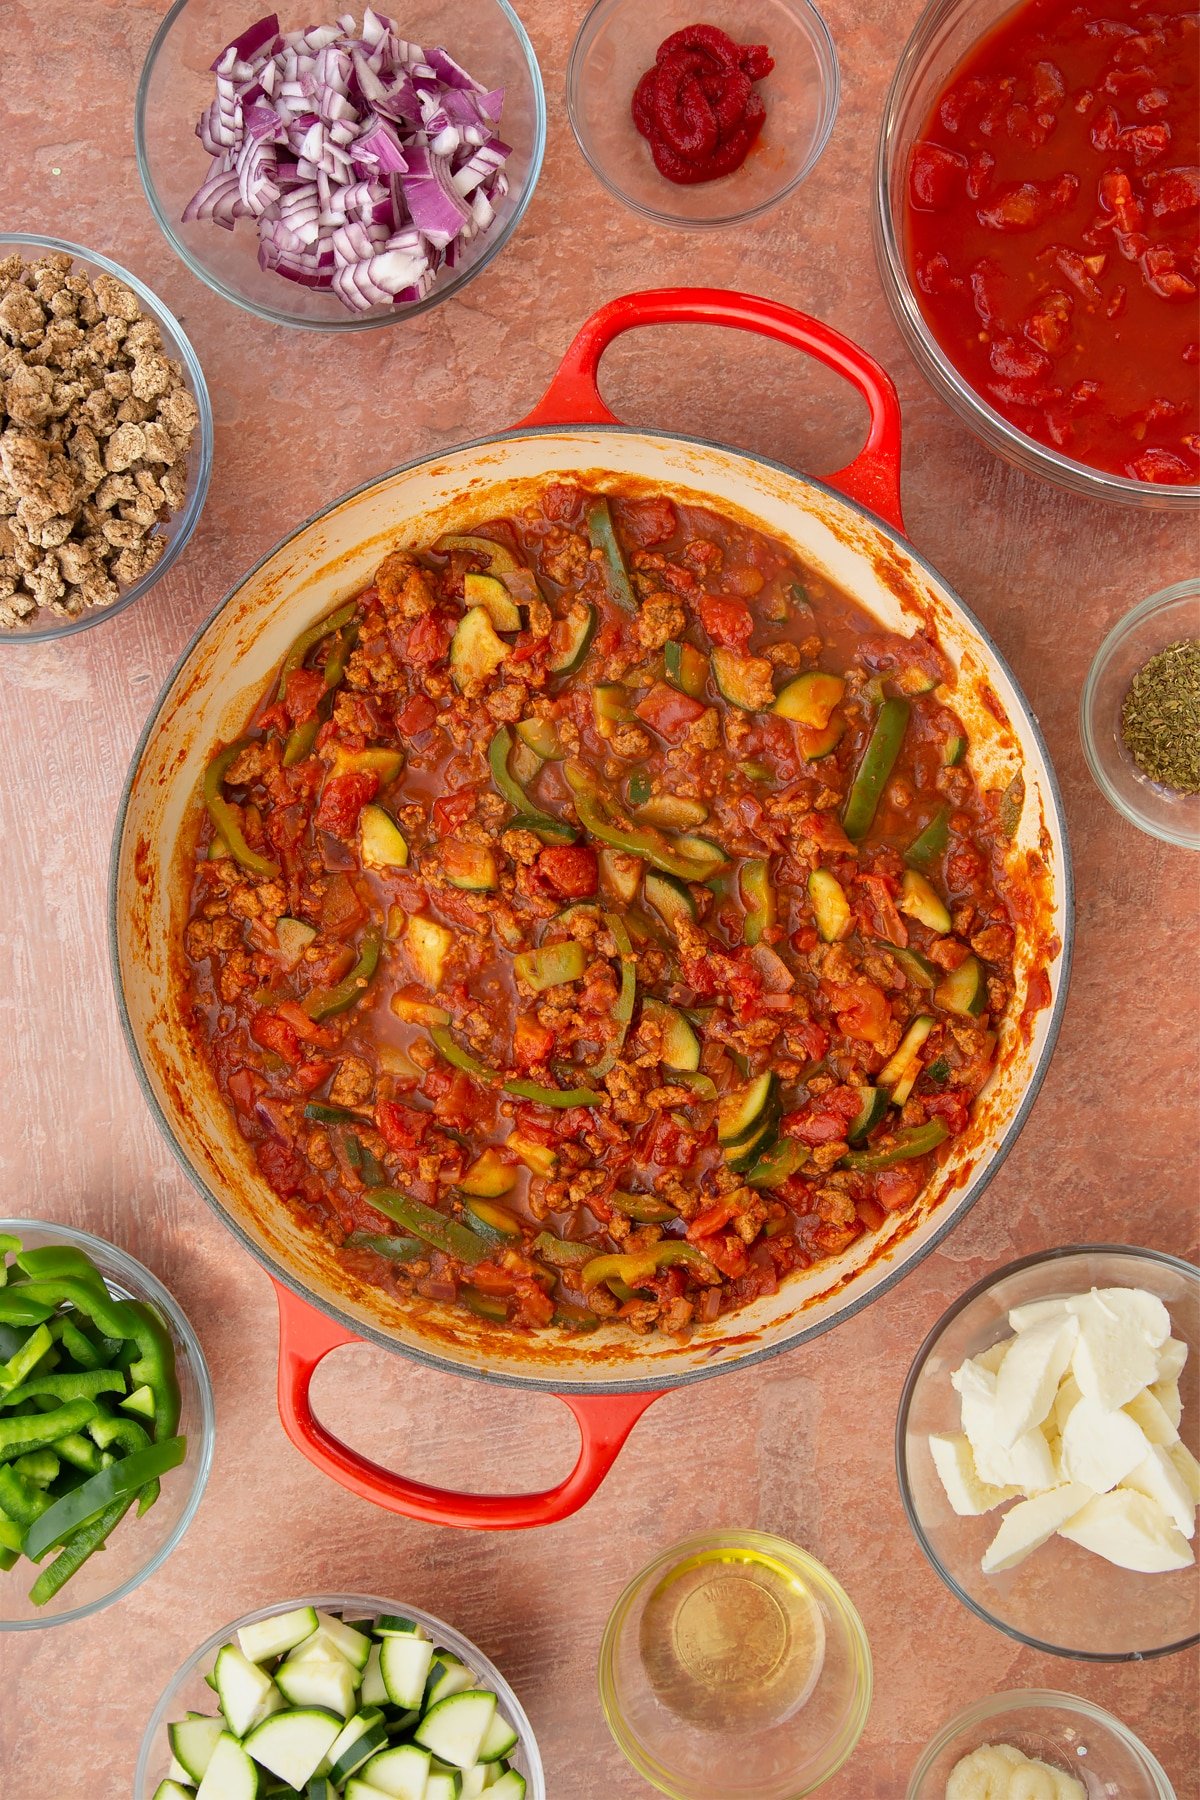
591,909
1035,213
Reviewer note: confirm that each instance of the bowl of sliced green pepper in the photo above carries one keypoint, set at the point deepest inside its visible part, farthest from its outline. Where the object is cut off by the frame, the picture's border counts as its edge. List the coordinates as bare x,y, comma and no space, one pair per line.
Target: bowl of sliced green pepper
106,1424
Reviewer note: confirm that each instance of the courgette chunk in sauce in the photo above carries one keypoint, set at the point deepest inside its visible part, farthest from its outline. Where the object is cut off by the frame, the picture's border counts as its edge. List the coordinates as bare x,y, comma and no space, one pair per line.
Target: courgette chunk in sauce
600,870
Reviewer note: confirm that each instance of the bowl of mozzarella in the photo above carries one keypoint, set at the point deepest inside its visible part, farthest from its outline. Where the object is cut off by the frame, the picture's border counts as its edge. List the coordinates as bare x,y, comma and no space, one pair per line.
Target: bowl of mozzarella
1045,1449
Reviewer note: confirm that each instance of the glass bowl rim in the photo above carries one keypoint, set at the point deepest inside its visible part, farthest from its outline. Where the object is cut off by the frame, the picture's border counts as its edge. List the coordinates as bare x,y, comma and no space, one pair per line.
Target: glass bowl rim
815,1571
1038,1257
353,321
1109,644
828,65
150,1287
1036,1699
188,514
370,1604
997,432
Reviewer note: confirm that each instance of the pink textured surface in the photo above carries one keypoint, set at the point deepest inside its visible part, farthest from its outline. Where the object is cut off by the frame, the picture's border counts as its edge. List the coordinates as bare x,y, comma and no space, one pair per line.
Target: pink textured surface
801,1446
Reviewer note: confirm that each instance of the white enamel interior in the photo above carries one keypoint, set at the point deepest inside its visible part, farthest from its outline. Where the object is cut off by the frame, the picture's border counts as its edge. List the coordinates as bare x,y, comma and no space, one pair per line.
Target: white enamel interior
225,670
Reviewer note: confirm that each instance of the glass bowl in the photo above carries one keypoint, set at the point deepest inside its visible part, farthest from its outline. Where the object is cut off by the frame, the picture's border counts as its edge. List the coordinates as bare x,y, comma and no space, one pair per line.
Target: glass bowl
944,34
1073,1735
615,46
752,1624
187,1690
1163,619
138,1547
177,83
180,526
1061,1599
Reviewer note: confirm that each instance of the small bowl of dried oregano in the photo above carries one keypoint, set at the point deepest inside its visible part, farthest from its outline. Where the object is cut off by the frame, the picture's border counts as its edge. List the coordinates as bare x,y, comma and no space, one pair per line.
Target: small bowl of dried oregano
1140,715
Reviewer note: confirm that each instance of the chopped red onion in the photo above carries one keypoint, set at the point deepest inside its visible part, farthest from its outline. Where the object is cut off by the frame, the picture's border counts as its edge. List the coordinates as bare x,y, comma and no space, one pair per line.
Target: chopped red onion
368,163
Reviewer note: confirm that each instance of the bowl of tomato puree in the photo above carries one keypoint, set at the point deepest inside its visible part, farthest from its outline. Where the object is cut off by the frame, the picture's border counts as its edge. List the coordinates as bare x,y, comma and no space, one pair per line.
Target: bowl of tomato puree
1036,225
702,115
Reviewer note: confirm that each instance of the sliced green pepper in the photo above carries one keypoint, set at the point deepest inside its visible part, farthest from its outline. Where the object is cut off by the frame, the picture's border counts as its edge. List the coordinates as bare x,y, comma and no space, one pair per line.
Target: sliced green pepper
80,1384
53,1260
16,1308
603,535
23,1360
79,1451
77,1344
322,1114
645,1209
446,1235
120,1482
1012,802
551,831
41,1467
559,1252
626,999
303,736
562,1097
592,806
929,845
499,751
636,1266
878,761
42,1431
115,1318
459,1058
310,638
76,1550
225,818
639,787
323,1003
394,1249
21,1500
154,1367
918,1140
9,1246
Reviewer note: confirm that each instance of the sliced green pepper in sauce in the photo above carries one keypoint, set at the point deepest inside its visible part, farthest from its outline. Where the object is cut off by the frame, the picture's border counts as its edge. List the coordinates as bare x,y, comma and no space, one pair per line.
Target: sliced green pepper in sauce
446,1235
623,1010
310,637
561,1097
918,1140
603,536
393,1249
634,1267
459,1058
560,1251
323,1003
302,737
878,761
758,895
591,804
224,816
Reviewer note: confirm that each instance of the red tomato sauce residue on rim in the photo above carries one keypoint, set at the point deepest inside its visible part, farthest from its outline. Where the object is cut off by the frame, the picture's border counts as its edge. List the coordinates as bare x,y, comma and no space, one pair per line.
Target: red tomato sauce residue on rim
1051,211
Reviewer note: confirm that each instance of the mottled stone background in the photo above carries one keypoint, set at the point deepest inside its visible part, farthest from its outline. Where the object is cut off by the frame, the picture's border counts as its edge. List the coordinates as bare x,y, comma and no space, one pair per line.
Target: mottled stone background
803,1445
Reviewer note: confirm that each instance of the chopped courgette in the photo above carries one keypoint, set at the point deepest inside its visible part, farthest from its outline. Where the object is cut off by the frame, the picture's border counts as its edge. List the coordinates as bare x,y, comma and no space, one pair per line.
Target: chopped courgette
810,699
571,639
490,592
963,990
686,668
381,840
898,1075
830,905
873,1104
740,1112
921,901
428,945
475,650
738,679
471,867
679,1047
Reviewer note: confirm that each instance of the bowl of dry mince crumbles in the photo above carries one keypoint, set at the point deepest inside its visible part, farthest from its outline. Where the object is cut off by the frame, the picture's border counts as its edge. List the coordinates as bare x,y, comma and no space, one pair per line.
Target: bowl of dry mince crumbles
105,438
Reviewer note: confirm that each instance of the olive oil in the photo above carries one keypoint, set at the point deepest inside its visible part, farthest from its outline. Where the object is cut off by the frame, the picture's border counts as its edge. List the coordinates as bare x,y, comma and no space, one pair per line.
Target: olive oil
731,1639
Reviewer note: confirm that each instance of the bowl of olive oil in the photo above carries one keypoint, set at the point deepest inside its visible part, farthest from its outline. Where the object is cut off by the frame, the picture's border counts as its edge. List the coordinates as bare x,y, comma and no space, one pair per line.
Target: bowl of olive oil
735,1667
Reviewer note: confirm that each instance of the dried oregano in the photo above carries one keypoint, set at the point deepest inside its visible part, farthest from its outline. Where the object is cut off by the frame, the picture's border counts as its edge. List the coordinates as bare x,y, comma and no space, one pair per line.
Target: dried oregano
1160,717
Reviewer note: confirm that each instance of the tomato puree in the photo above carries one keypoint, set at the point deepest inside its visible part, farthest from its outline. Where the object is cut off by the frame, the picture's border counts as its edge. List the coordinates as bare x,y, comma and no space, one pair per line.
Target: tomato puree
697,107
1052,210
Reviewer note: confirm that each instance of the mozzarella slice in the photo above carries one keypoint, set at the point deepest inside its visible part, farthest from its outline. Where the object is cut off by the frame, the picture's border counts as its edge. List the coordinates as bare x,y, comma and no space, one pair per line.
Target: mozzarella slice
976,1389
1067,1397
1030,1523
1152,1418
990,1359
1129,1530
1157,1477
955,1464
1167,1395
1113,1359
1099,1447
1171,1358
1133,1305
1029,1375
1036,1312
1188,1467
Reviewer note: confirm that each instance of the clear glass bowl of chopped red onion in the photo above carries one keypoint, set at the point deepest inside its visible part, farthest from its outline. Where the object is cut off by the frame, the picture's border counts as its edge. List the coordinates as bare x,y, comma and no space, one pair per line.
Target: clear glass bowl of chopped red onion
339,172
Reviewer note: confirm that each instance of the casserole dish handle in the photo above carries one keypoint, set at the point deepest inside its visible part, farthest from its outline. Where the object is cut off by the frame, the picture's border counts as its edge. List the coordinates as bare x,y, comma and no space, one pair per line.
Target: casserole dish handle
307,1336
573,397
